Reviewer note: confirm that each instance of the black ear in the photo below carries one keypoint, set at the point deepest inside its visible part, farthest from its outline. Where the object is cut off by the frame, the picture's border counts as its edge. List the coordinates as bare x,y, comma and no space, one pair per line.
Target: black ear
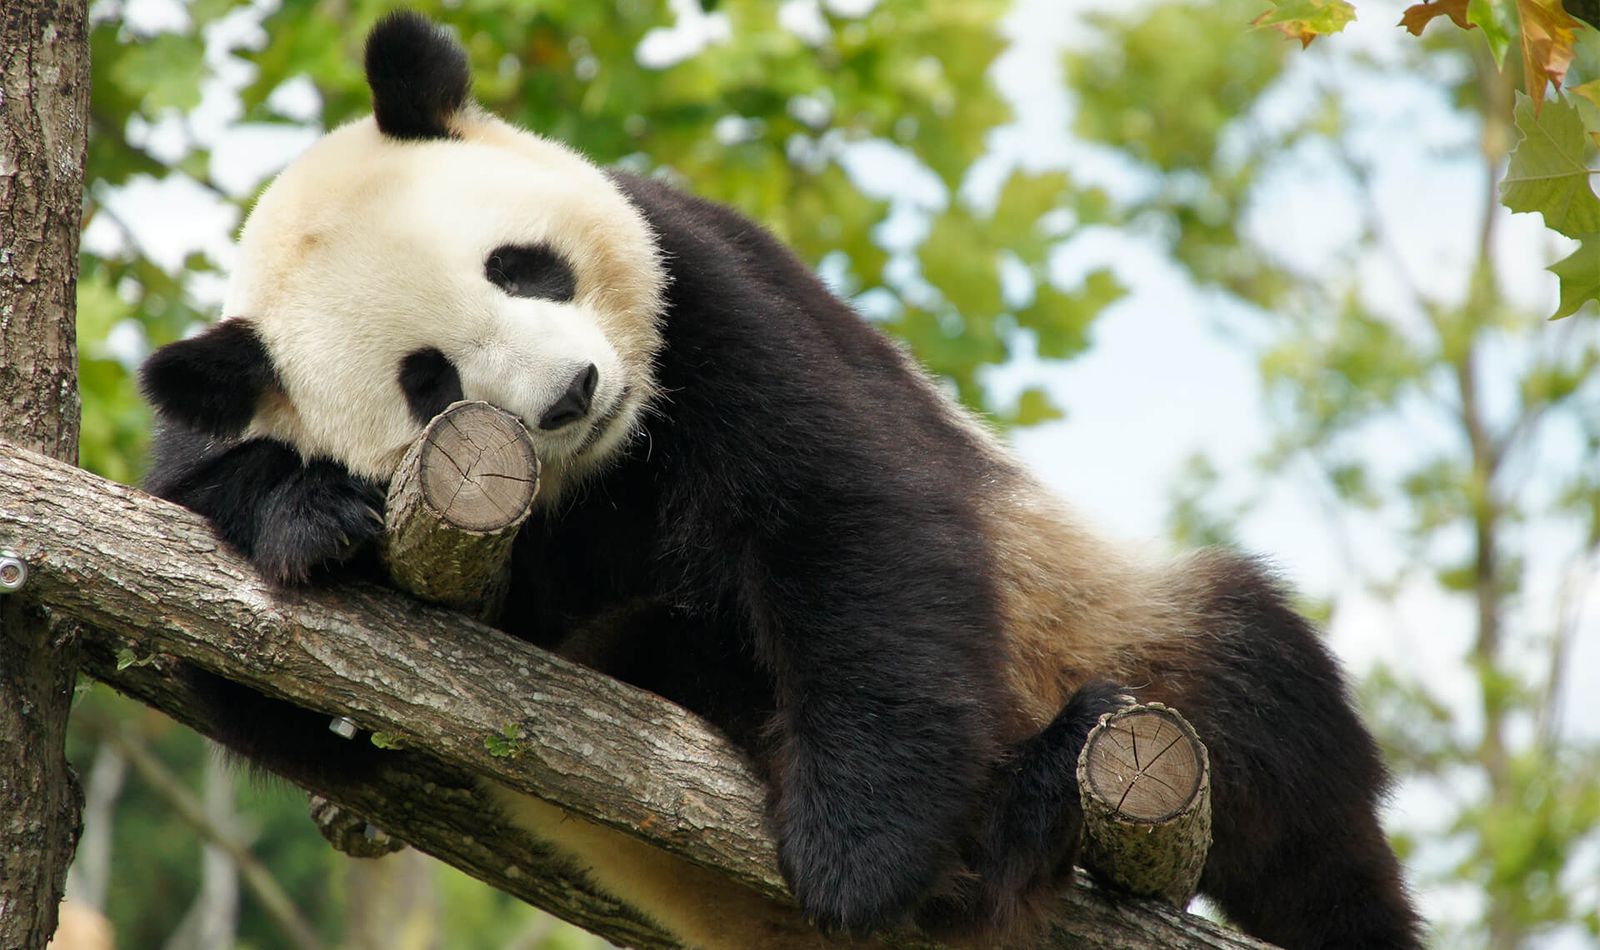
418,74
213,381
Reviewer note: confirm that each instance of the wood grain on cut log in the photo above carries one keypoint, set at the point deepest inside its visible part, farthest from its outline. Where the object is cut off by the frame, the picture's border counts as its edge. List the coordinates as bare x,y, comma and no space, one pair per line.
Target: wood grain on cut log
461,493
1145,781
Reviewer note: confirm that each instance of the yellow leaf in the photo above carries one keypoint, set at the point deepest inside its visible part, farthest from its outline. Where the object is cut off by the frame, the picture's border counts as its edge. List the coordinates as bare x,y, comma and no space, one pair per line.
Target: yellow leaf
1546,45
1417,16
1589,90
1305,20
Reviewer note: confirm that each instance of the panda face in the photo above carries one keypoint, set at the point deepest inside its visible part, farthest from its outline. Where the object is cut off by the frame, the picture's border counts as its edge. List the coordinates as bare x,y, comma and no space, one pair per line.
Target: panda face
387,277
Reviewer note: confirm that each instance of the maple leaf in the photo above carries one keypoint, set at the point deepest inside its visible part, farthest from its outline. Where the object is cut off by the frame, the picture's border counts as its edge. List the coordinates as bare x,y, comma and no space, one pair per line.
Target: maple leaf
1589,90
1546,172
1546,45
1495,21
1305,20
1580,276
1417,16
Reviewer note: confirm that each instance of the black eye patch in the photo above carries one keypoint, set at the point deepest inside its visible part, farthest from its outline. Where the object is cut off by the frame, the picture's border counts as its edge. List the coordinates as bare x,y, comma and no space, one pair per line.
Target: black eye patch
530,270
430,382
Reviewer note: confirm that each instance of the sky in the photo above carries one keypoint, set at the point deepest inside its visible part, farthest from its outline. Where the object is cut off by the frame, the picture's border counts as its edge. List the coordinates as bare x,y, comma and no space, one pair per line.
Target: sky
1159,383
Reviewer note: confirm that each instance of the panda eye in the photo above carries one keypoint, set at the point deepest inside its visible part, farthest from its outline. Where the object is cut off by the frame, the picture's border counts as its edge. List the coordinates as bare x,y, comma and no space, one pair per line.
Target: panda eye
530,270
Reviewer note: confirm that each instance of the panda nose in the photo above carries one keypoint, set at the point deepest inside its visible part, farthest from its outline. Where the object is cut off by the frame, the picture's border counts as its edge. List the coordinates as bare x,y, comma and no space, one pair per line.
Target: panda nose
574,402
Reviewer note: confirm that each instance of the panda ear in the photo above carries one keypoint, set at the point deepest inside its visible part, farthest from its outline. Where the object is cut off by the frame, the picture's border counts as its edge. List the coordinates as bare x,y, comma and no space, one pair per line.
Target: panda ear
213,381
418,74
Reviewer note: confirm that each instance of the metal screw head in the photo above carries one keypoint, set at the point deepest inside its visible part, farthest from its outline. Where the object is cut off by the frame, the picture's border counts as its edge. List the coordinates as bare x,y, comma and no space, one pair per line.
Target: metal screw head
343,726
13,572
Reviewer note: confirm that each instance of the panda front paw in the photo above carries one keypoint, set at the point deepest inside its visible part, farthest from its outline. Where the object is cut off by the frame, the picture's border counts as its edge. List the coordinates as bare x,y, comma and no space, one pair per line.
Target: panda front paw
320,517
850,887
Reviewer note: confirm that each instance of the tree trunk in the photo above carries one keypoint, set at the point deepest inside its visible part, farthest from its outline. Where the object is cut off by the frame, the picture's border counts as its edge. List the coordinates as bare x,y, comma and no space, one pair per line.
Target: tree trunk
44,103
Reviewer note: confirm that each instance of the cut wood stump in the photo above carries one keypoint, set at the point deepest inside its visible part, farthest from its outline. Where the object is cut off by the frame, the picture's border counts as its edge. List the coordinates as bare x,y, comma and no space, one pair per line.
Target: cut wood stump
455,504
1145,781
462,491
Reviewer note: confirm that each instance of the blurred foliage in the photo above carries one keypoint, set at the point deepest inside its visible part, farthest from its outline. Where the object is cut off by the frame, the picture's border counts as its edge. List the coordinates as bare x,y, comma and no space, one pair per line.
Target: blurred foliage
765,116
1548,173
1458,426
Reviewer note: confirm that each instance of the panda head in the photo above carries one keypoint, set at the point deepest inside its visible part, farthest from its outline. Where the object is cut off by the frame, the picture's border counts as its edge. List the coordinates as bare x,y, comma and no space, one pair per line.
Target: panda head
426,254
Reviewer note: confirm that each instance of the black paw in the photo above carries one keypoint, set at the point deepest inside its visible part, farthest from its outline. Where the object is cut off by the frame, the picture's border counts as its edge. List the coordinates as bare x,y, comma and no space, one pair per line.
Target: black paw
853,885
1093,700
321,516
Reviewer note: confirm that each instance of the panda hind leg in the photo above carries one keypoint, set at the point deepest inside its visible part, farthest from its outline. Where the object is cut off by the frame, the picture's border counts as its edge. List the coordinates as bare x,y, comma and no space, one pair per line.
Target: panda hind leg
1298,855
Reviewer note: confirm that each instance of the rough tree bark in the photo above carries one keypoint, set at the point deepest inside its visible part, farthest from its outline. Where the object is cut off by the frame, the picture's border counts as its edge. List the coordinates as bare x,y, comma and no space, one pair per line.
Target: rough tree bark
465,702
44,98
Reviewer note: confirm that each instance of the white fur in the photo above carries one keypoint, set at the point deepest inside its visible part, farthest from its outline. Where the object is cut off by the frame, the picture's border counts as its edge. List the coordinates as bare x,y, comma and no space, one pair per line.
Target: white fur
366,249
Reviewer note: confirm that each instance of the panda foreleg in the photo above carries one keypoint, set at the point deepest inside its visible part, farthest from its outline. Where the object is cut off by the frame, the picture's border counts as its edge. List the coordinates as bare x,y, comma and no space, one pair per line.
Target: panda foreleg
871,784
881,738
289,517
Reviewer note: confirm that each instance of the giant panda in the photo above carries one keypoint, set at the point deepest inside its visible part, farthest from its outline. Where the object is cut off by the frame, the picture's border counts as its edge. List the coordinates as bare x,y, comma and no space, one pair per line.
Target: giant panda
758,507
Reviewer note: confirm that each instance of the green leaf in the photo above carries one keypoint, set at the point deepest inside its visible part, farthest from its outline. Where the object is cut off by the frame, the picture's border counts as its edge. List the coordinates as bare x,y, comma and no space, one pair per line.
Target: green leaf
1033,407
126,658
164,72
1061,319
1490,17
964,270
1547,173
1024,199
506,745
388,740
1580,276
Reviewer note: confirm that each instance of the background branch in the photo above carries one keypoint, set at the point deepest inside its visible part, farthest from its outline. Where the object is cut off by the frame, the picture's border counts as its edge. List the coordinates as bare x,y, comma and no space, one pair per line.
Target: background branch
277,904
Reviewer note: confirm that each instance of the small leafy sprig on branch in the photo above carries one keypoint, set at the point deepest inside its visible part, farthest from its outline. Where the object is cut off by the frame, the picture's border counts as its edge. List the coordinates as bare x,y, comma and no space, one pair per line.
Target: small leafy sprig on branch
1547,172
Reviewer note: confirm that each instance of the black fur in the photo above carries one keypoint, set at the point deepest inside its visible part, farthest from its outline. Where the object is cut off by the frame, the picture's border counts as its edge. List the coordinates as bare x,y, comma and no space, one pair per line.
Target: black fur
795,553
430,383
418,74
531,270
213,381
293,518
1029,835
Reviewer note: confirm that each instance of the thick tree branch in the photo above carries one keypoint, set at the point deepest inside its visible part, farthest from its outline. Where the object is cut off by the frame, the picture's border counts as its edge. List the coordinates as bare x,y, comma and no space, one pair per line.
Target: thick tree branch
134,570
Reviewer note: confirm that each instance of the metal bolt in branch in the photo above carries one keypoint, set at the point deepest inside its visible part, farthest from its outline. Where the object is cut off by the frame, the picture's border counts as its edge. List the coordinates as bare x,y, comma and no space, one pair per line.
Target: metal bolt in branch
13,572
